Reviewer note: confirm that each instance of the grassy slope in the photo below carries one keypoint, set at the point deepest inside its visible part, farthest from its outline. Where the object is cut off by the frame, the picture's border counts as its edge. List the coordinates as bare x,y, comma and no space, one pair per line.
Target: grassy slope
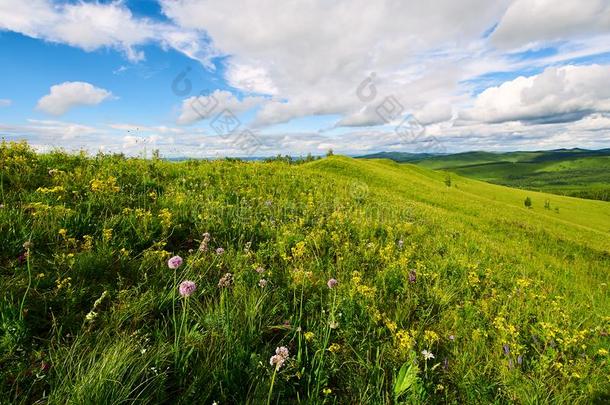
489,272
569,172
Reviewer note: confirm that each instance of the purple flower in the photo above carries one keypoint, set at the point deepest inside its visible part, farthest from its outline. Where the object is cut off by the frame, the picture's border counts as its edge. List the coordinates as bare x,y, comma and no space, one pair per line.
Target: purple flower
332,283
506,349
187,288
175,262
280,356
226,281
220,251
22,258
520,359
412,276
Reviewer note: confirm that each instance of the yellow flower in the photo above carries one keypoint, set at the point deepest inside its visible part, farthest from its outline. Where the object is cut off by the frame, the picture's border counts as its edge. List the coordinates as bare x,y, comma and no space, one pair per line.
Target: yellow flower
404,341
430,337
602,352
391,326
63,232
107,235
327,391
334,348
166,218
87,242
309,336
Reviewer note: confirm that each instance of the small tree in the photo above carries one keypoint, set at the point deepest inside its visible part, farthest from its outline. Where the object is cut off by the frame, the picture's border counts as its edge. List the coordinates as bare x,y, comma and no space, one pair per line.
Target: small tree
329,153
448,180
528,202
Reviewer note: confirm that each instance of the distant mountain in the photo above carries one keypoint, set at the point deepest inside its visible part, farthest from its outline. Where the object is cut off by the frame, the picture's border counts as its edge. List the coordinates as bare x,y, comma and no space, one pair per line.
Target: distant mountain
401,157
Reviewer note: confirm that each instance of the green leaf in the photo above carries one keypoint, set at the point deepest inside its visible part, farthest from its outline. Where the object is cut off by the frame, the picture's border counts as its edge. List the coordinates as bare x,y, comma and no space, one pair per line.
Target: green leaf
406,379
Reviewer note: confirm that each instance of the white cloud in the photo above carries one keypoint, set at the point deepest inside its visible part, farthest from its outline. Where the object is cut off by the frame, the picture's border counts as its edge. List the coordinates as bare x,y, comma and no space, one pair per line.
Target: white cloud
198,108
5,102
312,55
566,94
94,25
63,97
533,21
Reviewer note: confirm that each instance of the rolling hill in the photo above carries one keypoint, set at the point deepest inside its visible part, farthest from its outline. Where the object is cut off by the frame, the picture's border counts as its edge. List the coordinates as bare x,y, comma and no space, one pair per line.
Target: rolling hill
574,172
335,281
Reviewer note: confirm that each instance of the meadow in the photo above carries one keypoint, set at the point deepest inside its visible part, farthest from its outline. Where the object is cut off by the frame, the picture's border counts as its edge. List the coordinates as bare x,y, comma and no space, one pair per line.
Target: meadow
337,281
574,172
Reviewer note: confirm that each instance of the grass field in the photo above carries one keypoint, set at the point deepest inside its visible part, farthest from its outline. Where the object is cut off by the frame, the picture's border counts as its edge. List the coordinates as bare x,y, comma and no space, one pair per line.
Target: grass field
338,281
573,172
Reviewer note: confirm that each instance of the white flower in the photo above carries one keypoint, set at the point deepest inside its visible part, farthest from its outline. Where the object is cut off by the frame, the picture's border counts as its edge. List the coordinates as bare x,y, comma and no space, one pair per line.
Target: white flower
427,355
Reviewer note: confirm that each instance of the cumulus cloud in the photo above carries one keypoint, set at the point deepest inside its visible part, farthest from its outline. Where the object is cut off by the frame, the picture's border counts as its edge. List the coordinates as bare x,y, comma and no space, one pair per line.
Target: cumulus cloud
312,55
198,108
63,97
562,94
5,102
534,21
94,25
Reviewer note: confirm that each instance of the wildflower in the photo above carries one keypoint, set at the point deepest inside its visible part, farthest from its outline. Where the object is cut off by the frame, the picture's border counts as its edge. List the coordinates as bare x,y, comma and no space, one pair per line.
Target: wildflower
280,357
175,262
520,359
451,337
247,247
405,341
309,336
226,281
220,251
91,316
400,244
203,247
391,325
1,206
427,355
268,203
327,391
23,258
107,234
334,348
63,232
602,352
28,245
260,270
262,283
187,288
412,276
430,337
332,283
334,325
506,349
445,363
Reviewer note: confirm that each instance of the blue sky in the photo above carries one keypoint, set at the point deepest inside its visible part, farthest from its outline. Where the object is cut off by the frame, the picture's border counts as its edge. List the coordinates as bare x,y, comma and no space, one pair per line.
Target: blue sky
102,75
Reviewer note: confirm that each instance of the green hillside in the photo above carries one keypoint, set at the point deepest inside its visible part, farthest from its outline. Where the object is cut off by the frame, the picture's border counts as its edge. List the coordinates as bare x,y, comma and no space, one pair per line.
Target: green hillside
441,294
574,172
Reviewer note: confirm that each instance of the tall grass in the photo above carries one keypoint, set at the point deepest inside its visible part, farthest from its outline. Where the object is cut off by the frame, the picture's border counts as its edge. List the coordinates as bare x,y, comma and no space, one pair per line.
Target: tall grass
512,303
